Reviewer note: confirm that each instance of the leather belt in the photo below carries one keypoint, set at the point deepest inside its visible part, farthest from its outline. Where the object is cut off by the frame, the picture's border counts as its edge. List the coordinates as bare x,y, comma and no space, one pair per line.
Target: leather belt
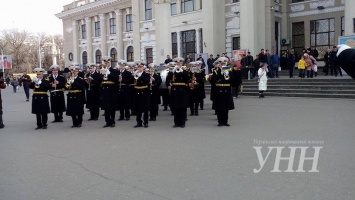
108,82
39,92
140,87
184,84
223,85
74,91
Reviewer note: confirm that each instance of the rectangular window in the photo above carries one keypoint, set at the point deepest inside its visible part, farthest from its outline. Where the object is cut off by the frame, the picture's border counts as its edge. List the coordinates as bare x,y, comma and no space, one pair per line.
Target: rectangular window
83,31
148,10
149,55
97,29
236,43
354,25
129,26
173,7
187,5
296,1
322,33
201,40
174,45
189,43
298,40
112,22
235,1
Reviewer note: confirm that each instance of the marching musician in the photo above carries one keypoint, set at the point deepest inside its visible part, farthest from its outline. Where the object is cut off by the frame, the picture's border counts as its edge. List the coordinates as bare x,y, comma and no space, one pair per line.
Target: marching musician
201,85
141,94
222,100
196,90
40,103
109,91
155,82
57,93
164,92
131,67
75,97
213,91
125,82
92,85
177,83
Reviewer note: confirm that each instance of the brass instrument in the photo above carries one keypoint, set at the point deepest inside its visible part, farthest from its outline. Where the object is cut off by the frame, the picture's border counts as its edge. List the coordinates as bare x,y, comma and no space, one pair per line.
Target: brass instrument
193,82
178,69
120,79
70,80
151,81
225,72
137,74
104,71
37,82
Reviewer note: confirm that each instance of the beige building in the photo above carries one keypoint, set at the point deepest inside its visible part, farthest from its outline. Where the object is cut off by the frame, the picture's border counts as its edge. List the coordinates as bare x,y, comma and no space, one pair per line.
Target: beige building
151,29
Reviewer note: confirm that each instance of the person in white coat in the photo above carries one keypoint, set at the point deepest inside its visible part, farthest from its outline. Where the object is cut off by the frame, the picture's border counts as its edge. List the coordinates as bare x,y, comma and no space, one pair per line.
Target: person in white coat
262,80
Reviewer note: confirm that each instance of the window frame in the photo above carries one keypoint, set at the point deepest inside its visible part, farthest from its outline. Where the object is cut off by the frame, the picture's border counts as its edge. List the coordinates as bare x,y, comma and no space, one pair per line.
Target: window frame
148,10
97,26
98,55
130,54
83,32
316,33
236,43
112,24
184,3
129,25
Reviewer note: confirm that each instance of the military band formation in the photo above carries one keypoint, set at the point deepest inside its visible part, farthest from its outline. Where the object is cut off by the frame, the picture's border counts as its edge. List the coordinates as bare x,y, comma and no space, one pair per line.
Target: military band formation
132,88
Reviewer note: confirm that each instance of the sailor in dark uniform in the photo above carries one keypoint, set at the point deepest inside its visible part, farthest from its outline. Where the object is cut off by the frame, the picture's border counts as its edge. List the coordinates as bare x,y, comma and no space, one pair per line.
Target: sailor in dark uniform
125,82
179,95
57,93
92,85
75,97
222,100
346,59
201,85
164,92
131,67
109,91
213,91
196,88
40,103
141,94
155,82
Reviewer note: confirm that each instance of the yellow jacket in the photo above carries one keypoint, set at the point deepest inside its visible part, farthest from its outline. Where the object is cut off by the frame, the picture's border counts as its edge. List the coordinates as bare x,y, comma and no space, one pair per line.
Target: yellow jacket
302,64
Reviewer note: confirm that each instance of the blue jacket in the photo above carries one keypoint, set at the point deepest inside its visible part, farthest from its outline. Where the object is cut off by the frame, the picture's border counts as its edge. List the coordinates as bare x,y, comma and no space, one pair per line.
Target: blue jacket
275,59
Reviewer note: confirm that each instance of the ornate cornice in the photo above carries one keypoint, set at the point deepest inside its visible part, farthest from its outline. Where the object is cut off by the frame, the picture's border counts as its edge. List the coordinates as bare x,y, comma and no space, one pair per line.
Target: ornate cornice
199,21
88,7
317,12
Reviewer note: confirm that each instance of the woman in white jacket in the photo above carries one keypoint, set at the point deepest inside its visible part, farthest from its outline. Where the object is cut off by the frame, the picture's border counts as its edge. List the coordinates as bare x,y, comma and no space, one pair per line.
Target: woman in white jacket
262,81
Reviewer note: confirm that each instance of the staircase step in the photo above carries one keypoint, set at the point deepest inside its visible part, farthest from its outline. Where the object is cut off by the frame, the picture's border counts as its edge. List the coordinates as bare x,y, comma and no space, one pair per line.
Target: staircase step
303,91
310,95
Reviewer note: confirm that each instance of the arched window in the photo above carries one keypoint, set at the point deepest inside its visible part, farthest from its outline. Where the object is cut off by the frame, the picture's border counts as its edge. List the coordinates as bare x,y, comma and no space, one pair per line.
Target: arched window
84,59
98,56
113,54
130,52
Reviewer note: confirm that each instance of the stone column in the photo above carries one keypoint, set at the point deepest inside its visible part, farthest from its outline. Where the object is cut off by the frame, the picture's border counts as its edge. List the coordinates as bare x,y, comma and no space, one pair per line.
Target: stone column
89,39
178,33
198,37
162,31
119,32
136,16
75,42
103,35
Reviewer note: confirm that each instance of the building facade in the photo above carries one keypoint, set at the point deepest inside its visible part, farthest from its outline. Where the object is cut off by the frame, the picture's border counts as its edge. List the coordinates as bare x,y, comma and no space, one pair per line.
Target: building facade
151,29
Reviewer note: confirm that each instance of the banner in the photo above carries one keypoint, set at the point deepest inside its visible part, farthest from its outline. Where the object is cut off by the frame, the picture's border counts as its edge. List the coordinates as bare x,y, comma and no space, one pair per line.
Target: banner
348,40
5,62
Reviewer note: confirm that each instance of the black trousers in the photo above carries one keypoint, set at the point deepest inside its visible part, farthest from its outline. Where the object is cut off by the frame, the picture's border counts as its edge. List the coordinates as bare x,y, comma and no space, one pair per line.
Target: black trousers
94,113
27,91
201,103
42,119
153,111
110,116
222,116
180,116
124,113
165,97
194,107
58,116
77,119
139,117
290,70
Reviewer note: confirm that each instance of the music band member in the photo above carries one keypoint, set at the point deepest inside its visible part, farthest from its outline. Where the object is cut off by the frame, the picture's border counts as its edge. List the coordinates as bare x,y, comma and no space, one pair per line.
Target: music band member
155,82
141,95
75,97
222,100
40,102
57,93
177,83
125,82
196,88
164,92
92,85
109,94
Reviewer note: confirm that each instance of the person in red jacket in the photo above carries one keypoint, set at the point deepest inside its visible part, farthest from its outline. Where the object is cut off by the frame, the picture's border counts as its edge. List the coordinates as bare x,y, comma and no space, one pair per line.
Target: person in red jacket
2,86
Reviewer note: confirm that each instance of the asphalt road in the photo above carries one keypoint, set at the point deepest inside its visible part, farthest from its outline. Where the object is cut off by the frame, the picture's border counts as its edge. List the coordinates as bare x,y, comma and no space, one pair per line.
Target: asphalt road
201,161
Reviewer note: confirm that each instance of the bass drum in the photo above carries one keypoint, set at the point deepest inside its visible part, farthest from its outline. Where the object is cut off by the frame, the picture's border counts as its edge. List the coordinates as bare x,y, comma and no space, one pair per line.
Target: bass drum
163,75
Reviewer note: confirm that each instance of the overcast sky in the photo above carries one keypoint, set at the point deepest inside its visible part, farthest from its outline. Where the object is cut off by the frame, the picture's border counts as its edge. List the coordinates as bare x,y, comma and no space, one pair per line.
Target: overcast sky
32,15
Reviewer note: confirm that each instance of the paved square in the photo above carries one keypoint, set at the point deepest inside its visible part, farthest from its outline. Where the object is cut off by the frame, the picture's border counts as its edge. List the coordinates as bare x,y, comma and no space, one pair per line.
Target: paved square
201,161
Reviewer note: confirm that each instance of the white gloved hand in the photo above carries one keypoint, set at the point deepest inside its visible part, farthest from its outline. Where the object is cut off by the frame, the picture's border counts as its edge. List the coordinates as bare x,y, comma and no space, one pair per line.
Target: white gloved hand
342,47
107,72
39,82
35,79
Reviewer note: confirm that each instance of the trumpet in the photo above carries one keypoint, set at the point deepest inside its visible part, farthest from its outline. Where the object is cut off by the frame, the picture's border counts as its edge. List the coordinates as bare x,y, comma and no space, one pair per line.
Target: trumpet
69,82
226,75
104,71
37,82
137,74
178,69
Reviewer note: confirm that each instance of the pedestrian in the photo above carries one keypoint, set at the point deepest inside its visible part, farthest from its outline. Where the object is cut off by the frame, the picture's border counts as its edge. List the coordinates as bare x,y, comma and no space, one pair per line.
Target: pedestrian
309,64
301,67
291,58
275,62
262,81
25,80
40,102
14,83
93,80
